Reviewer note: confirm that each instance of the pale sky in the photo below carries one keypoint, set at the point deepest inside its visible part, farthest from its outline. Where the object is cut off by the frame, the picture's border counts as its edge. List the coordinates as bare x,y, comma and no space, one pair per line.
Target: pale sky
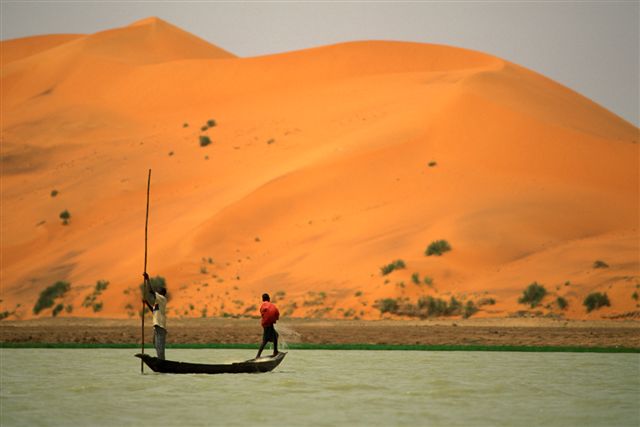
593,47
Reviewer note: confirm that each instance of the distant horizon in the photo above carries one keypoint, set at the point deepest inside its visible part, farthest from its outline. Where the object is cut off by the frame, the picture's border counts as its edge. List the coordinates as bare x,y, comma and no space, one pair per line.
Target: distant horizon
592,48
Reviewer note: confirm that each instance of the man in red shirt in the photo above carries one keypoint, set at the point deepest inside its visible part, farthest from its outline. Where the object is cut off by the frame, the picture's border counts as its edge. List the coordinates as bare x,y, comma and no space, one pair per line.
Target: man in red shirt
270,316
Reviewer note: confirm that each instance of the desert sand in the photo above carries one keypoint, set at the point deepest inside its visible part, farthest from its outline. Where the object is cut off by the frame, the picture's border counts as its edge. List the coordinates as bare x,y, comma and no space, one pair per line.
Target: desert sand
466,332
324,165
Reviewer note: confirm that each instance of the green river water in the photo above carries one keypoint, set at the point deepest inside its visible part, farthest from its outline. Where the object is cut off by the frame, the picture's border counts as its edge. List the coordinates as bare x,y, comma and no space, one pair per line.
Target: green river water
104,387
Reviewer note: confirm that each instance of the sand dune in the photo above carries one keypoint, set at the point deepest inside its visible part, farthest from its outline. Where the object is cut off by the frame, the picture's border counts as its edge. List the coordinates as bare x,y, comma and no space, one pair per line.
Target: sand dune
325,164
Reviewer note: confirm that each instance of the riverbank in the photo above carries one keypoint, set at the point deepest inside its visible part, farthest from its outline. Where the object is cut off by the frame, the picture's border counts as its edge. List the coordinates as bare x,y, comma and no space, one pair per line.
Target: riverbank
318,333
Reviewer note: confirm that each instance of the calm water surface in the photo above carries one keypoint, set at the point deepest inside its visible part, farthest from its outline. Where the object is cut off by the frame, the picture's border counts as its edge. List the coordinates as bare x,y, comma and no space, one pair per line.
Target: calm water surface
103,387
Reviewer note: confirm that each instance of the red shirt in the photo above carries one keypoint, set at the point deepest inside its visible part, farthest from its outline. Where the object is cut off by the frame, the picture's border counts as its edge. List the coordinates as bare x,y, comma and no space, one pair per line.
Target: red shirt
270,313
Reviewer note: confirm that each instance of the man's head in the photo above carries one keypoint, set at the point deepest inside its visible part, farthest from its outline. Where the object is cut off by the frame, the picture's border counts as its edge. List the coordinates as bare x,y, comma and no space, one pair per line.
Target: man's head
162,291
265,297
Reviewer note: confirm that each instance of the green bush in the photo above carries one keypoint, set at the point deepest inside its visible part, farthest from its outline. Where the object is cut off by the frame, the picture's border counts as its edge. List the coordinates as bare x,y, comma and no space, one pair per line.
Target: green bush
48,296
533,295
415,277
469,310
54,193
387,305
437,248
157,282
562,303
596,300
396,265
428,281
438,307
65,216
486,301
90,299
204,140
315,298
600,264
101,285
635,296
211,123
58,308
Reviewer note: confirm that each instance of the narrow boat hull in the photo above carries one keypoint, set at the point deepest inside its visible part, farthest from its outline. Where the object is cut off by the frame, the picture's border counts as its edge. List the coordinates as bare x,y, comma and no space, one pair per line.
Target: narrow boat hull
264,364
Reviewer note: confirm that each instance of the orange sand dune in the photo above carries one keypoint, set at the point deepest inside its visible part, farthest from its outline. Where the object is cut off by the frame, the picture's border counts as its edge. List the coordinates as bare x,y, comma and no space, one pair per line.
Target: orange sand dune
325,164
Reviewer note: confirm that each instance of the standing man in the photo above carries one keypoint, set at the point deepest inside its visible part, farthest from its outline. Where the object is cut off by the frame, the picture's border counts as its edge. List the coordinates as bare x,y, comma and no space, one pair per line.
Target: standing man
159,310
270,316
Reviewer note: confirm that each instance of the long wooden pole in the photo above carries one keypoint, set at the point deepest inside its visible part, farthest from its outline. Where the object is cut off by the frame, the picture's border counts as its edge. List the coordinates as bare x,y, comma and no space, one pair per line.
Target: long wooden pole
144,287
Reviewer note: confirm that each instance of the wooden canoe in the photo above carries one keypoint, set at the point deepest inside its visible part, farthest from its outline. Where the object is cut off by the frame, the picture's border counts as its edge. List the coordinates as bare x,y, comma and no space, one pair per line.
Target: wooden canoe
263,364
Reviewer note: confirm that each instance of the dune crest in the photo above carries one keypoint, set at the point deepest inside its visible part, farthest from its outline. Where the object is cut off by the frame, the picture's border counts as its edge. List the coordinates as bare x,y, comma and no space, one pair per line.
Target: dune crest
322,167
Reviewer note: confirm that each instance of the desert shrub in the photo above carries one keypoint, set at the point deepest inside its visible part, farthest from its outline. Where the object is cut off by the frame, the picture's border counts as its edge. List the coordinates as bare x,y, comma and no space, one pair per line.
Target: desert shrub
432,164
97,307
68,308
469,310
204,140
54,193
596,300
204,128
48,296
635,296
211,123
415,277
271,141
5,314
288,309
533,295
101,285
57,309
455,307
90,299
358,293
395,265
387,305
600,264
157,282
279,295
437,247
428,281
349,313
438,307
185,125
486,301
315,298
562,303
65,216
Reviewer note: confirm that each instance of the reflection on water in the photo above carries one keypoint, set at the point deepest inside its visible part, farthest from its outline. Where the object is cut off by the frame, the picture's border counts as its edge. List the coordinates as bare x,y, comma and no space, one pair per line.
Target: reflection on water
103,387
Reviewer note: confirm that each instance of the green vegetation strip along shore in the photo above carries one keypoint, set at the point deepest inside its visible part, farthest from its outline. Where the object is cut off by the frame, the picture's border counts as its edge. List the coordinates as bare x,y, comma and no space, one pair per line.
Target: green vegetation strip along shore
310,346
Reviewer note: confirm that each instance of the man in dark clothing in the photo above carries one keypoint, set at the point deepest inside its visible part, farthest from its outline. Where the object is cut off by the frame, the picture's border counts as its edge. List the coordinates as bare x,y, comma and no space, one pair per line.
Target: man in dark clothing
270,316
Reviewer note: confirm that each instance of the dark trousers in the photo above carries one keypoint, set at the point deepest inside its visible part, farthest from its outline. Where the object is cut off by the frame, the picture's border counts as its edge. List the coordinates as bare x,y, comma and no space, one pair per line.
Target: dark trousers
159,338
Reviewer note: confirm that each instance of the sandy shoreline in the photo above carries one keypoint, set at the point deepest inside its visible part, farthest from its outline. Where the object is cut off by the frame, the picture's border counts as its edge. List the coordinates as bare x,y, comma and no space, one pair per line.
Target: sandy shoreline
484,332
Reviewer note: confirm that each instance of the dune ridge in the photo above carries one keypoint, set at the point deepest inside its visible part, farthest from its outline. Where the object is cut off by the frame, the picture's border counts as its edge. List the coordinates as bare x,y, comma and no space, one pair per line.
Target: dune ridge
325,164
